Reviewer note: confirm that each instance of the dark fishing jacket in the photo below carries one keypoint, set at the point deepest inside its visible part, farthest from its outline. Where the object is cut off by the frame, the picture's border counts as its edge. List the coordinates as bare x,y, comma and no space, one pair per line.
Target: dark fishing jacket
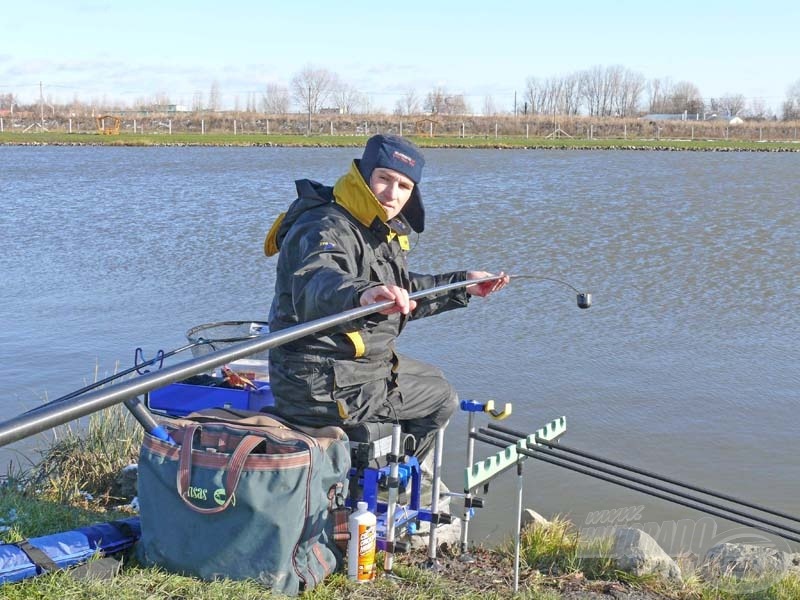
333,245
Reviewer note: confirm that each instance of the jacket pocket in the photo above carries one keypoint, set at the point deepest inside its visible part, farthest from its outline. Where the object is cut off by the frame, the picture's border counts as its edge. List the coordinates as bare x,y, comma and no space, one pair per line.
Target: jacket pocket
360,387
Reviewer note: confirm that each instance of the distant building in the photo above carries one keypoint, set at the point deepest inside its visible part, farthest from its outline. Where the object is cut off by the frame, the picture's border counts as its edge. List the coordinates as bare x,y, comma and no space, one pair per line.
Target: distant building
693,117
684,116
730,120
171,108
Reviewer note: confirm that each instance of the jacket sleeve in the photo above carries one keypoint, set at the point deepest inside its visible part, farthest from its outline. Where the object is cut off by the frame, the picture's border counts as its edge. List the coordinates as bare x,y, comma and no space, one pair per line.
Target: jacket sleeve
323,270
426,307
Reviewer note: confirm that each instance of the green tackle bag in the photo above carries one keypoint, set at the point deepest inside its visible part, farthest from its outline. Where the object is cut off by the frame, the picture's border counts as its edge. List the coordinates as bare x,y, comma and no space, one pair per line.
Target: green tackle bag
245,496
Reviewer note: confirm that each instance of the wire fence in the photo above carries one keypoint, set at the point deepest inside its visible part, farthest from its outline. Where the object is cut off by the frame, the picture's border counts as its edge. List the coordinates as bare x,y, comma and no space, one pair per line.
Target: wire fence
429,126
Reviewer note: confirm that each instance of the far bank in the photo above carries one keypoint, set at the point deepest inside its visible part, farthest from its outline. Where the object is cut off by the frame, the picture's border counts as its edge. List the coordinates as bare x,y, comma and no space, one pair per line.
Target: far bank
158,139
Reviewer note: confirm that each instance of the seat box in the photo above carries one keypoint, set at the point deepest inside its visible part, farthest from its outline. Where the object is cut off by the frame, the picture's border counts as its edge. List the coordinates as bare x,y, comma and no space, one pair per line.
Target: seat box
180,399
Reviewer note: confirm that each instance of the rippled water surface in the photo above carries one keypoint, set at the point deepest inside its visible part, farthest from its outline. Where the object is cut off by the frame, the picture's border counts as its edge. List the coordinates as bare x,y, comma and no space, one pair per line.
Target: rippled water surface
687,364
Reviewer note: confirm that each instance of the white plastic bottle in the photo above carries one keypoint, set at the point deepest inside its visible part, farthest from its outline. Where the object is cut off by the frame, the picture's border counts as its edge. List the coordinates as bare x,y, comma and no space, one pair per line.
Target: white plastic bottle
361,547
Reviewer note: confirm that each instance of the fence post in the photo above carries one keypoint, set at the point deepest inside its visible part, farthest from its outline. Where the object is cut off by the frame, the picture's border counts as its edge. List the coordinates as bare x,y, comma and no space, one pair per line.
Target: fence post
1,125
431,128
760,134
591,132
401,128
202,126
463,135
331,127
527,130
495,130
234,127
170,126
267,126
625,130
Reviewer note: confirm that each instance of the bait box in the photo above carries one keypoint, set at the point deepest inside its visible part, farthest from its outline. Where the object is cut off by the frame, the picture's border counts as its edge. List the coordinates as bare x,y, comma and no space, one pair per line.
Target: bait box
180,399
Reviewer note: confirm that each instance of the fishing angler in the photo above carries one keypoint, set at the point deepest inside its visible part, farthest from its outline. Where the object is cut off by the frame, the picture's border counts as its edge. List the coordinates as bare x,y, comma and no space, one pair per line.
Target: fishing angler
346,246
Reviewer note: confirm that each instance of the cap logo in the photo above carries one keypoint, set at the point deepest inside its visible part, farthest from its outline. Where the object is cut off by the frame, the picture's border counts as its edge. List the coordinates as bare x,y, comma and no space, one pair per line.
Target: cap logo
404,158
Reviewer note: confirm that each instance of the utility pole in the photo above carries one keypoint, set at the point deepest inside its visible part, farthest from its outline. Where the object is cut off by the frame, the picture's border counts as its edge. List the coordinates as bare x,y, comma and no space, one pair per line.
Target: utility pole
308,128
41,106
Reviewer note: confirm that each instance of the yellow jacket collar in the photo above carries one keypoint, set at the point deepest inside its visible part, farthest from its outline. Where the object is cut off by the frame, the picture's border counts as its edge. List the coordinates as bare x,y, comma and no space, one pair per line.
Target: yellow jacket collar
353,193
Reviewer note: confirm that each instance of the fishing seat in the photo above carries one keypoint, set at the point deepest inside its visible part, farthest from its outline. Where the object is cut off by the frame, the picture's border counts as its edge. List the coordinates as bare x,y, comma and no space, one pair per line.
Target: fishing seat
370,442
370,457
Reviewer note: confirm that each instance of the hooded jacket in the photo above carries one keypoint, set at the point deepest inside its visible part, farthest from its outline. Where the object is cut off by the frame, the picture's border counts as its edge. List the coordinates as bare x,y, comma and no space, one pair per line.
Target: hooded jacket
334,244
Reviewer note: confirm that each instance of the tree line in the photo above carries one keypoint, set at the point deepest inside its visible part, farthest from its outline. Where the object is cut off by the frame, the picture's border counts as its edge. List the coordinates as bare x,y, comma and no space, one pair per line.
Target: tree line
599,91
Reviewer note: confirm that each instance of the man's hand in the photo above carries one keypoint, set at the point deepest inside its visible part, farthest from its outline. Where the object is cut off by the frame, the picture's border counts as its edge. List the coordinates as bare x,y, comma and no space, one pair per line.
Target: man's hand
402,303
487,287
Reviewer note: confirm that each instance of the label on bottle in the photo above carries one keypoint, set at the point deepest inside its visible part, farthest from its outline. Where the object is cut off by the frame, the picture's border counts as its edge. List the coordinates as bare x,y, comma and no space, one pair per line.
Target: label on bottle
366,553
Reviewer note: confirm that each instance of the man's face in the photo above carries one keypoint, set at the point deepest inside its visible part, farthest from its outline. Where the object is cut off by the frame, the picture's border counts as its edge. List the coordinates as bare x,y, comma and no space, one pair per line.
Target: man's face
392,189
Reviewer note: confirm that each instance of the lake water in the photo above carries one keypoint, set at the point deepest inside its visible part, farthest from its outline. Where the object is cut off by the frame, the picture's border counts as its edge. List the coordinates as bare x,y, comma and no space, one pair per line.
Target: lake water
686,365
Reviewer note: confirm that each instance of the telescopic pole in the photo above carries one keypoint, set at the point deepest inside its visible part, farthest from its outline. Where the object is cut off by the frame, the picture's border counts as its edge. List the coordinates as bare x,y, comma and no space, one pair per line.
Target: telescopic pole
29,424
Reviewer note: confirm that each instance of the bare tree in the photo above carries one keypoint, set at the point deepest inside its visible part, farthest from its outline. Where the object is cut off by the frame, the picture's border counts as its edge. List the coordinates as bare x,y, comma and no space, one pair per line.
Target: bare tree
758,110
197,101
348,99
7,101
275,100
214,100
535,94
791,106
489,107
628,96
408,104
685,97
312,87
435,101
439,102
556,95
660,89
596,89
159,99
570,95
251,102
729,105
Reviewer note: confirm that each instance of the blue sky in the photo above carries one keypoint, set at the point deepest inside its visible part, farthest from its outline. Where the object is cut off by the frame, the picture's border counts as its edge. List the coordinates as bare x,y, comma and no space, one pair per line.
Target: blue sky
96,49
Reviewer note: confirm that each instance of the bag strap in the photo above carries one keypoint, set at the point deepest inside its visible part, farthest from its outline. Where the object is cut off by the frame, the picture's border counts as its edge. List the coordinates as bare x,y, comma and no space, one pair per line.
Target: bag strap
239,416
233,470
341,516
42,562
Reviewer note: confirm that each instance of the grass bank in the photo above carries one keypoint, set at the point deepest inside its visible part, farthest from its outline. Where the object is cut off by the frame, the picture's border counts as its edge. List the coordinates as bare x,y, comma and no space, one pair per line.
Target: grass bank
74,485
500,142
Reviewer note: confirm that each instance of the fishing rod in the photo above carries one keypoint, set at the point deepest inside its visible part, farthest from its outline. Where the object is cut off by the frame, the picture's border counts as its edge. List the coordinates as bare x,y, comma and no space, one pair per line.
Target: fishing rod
584,298
584,301
140,362
652,475
158,358
79,406
655,486
494,436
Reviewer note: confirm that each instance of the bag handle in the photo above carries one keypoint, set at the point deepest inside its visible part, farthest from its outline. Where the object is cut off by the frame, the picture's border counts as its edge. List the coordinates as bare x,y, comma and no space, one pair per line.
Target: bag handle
233,470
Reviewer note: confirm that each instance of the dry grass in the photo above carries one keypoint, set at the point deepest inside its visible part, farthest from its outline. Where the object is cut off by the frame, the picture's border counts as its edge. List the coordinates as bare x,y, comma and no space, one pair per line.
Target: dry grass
81,465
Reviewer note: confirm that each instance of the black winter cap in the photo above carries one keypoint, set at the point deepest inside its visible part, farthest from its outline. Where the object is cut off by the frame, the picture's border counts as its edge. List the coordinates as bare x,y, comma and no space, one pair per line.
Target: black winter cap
398,154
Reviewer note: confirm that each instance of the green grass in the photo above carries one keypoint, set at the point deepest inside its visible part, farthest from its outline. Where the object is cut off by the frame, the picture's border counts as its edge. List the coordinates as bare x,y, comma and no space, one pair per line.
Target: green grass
51,497
488,141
